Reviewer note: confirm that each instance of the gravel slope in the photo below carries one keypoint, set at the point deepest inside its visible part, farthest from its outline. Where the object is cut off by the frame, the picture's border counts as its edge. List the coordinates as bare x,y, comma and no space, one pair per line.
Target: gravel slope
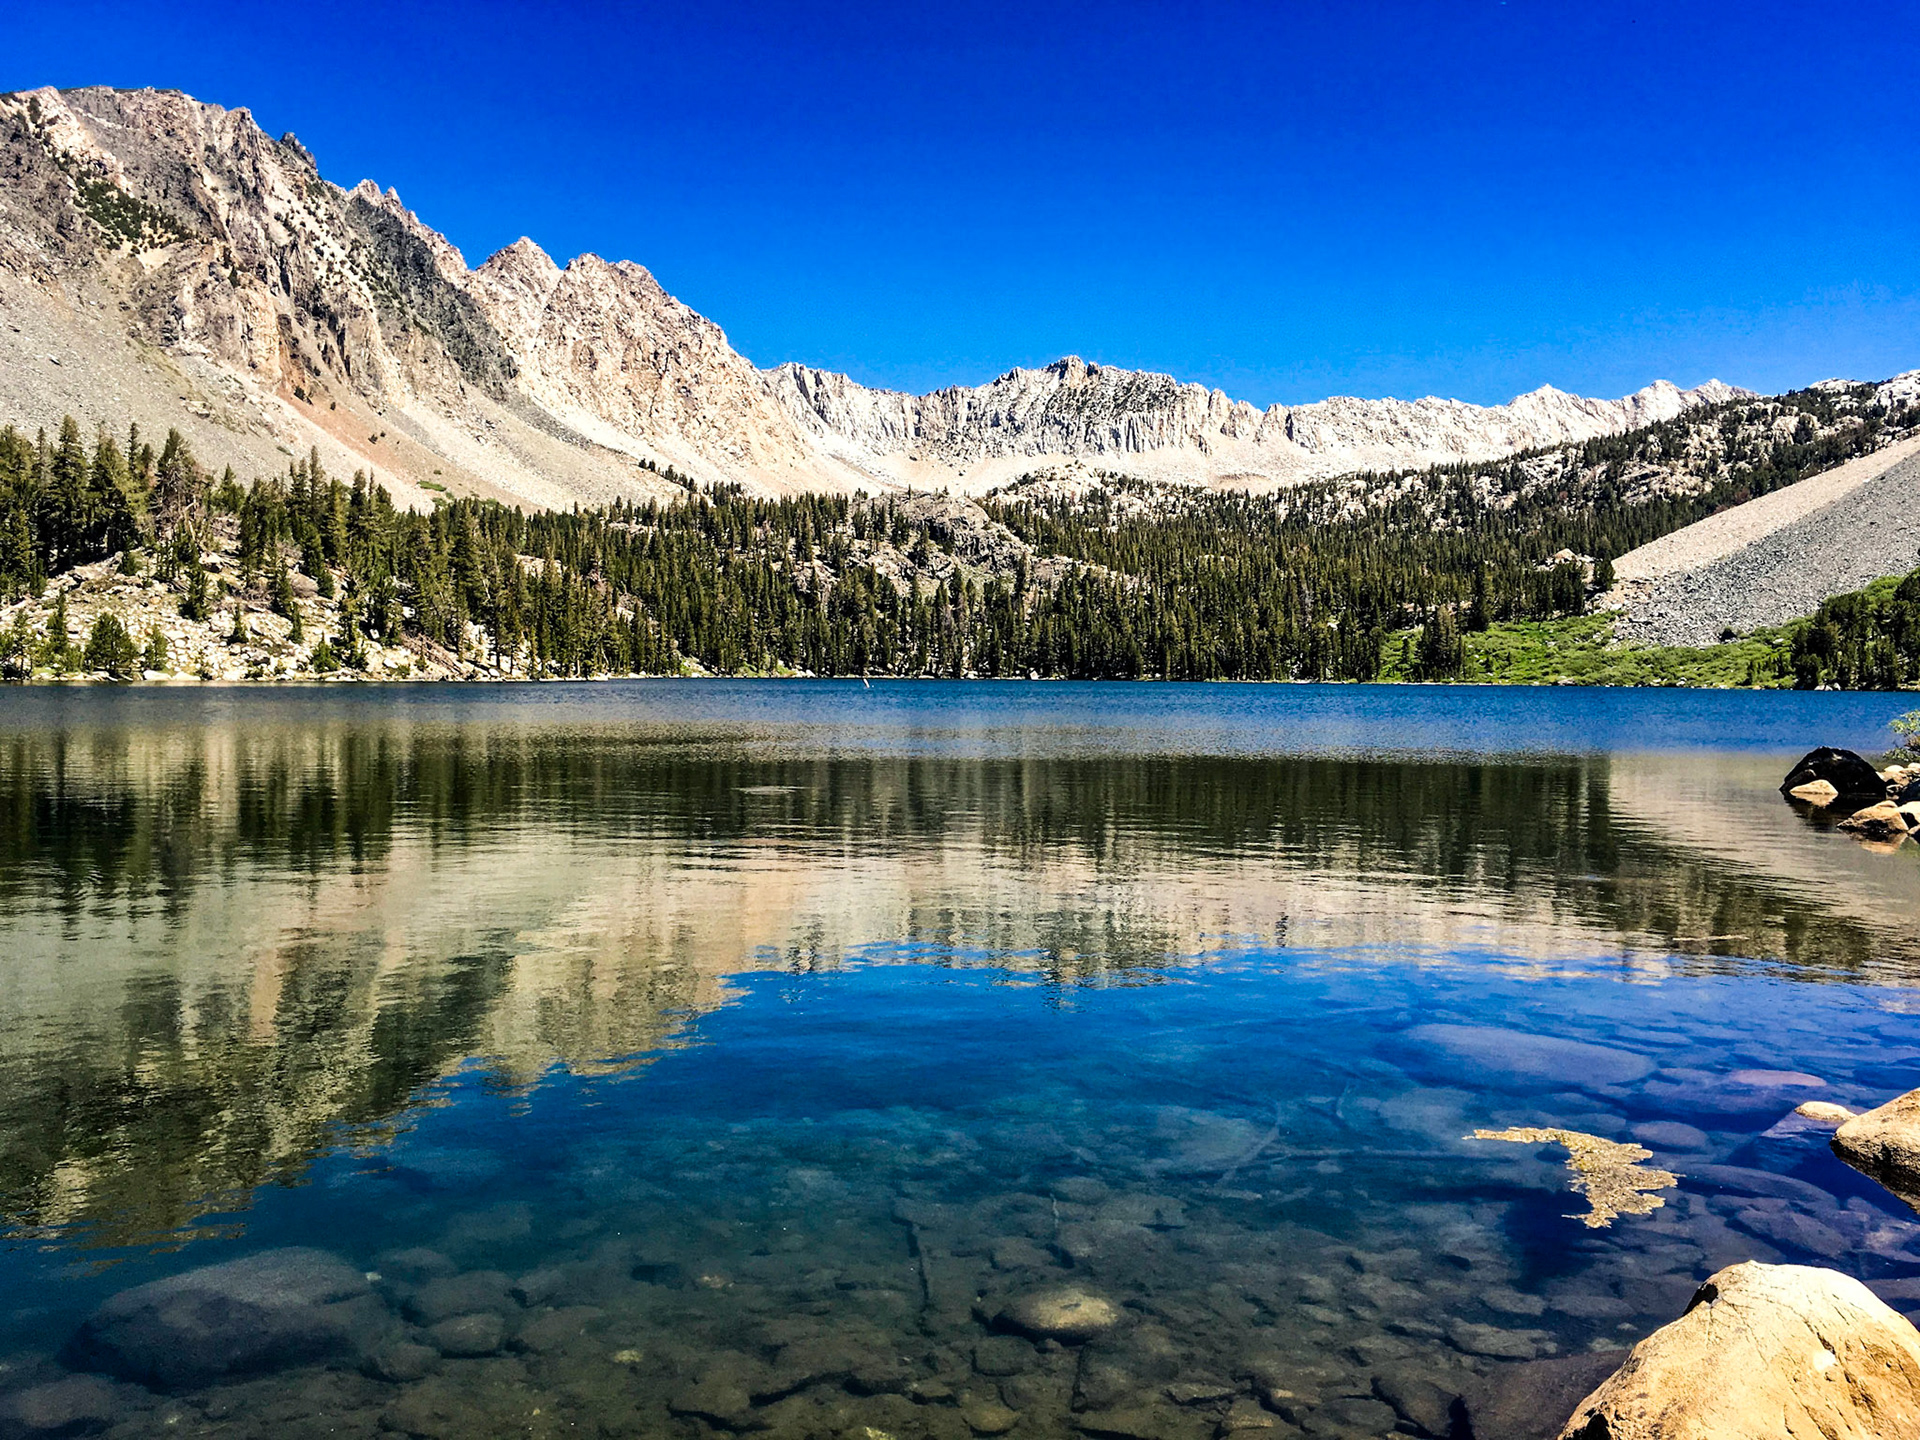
1777,557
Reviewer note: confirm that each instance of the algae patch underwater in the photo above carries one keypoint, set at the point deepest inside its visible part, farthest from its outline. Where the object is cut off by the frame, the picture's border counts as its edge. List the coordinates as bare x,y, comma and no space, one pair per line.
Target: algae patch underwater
1607,1172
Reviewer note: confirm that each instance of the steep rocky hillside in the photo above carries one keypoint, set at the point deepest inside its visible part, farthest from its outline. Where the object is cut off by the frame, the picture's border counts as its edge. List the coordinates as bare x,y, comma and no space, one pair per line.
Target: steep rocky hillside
164,257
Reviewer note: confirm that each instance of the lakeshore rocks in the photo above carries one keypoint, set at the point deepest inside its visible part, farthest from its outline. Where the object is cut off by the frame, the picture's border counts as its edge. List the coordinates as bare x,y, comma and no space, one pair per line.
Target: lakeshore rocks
1765,1351
276,1308
1878,822
1815,792
1847,772
1885,1143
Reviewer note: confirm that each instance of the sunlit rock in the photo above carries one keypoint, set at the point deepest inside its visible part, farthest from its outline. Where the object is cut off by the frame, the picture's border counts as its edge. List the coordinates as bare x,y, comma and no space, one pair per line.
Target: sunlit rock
1885,1143
1765,1351
1065,1313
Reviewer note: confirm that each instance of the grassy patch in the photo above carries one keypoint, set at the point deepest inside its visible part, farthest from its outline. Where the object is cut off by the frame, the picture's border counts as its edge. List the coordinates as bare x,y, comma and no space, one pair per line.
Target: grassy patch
1582,650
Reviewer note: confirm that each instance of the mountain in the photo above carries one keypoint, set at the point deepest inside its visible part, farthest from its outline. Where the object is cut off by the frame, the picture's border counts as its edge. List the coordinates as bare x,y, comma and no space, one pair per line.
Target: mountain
164,257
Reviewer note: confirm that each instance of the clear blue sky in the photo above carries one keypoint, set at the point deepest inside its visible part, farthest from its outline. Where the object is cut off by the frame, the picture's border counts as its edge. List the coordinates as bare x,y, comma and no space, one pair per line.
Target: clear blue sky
1286,200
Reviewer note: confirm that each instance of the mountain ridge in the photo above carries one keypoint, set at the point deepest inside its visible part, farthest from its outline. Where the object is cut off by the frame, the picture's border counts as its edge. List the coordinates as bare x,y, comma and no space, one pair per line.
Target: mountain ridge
189,261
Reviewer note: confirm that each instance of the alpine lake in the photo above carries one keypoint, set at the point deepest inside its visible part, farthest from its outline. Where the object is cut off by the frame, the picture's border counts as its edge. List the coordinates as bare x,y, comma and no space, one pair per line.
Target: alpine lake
817,1059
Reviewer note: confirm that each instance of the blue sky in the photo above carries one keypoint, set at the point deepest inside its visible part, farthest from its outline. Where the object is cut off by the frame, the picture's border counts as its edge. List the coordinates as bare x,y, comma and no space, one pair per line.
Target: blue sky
1287,200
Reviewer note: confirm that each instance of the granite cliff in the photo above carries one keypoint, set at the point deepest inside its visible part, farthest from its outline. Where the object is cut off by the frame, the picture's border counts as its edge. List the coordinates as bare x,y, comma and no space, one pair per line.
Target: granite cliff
166,257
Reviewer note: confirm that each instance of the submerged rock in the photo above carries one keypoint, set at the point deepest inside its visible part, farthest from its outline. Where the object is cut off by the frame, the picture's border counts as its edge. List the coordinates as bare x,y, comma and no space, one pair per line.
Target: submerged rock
1521,1060
76,1405
1764,1351
1065,1313
1885,1143
280,1307
1526,1401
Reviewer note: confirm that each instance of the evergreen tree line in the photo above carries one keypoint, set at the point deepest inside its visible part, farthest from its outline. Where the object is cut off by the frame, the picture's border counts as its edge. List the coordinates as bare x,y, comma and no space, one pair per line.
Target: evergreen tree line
1309,584
1866,640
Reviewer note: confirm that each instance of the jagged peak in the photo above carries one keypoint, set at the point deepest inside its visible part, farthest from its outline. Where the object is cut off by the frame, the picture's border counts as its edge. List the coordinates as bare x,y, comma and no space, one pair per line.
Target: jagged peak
522,254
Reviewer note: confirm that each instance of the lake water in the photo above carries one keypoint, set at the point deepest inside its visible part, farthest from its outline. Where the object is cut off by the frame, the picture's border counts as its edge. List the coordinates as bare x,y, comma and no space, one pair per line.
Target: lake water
815,1059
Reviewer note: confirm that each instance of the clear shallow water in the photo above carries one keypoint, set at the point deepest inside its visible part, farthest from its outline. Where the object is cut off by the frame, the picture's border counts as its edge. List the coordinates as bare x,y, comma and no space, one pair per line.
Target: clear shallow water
735,1053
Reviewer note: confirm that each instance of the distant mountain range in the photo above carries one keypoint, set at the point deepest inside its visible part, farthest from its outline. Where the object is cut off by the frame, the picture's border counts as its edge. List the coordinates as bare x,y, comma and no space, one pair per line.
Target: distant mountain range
164,257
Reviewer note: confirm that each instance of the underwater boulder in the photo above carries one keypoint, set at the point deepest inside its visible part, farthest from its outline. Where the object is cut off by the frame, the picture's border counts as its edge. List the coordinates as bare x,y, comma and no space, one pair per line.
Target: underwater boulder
262,1312
1488,1055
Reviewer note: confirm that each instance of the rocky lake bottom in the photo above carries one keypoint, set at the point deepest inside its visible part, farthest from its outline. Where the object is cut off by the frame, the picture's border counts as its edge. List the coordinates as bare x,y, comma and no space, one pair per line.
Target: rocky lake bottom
464,1080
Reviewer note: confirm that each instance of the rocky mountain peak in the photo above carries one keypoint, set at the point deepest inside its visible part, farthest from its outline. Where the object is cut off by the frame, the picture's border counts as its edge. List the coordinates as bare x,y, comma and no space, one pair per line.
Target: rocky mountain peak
148,215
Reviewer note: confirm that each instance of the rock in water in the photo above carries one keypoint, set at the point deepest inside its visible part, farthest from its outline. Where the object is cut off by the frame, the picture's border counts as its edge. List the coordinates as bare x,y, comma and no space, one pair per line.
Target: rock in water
1823,1112
1842,769
1520,1060
1885,1143
1815,792
1059,1312
1525,1401
280,1307
1765,1352
1878,822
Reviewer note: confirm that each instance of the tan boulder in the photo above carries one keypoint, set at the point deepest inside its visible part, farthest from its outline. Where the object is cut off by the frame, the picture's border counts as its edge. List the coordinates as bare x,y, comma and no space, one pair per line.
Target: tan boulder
1766,1352
1877,822
1885,1143
1824,1111
1816,792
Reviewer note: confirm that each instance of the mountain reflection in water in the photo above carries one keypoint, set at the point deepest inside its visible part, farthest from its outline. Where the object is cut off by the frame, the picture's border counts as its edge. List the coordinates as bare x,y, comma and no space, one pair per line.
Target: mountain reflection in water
237,947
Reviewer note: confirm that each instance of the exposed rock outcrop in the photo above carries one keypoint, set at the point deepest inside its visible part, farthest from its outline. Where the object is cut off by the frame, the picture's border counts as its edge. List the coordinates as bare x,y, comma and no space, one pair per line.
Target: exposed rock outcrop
271,310
1847,772
1764,1352
1885,1143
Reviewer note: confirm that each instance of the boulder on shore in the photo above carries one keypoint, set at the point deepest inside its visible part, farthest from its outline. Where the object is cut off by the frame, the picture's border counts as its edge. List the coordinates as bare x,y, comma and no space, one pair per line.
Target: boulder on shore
280,1307
1815,792
1846,771
1765,1352
1885,1143
1878,822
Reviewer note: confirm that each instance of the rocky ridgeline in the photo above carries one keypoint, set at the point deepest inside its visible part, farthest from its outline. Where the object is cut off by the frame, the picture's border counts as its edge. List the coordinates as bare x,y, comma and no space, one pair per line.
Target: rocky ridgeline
275,310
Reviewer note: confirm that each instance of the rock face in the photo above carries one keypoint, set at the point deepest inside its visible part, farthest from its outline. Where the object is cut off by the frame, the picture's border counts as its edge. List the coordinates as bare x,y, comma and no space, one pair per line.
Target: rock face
1765,1351
280,1307
297,313
1186,431
1885,1143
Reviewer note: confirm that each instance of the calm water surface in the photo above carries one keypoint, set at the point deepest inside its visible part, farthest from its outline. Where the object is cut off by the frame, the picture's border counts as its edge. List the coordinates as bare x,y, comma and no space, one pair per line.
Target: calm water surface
684,1059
